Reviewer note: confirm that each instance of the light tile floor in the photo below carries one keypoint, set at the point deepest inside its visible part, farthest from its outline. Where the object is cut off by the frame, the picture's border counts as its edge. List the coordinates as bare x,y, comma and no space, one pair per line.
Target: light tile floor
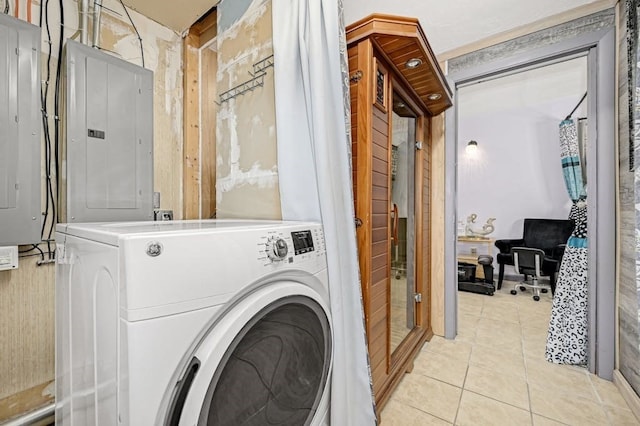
494,373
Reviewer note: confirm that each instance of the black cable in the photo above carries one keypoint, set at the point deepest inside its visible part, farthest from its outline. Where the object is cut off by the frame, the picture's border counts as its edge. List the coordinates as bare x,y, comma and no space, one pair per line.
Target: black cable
57,117
41,253
33,247
45,124
50,198
6,7
136,30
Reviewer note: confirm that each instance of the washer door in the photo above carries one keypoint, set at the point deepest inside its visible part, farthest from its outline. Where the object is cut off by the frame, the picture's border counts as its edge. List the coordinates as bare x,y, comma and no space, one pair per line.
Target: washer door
267,362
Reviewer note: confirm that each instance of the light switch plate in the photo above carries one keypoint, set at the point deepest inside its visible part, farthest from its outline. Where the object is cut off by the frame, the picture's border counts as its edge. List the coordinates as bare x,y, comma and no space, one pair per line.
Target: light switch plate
8,258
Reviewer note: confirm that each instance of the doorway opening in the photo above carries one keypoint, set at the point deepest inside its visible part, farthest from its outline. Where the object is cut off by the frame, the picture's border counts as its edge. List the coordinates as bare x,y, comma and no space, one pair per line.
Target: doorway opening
514,172
598,46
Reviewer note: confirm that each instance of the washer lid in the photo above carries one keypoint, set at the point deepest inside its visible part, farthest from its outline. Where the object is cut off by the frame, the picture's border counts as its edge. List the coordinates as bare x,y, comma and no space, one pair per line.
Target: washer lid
112,232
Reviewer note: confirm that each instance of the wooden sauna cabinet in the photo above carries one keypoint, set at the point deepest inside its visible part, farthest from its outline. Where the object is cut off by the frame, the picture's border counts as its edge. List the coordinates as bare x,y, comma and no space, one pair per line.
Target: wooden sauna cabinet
391,110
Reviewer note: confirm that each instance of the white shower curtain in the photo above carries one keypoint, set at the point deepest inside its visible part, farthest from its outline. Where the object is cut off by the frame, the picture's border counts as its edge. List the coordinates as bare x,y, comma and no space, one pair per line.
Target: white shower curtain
315,178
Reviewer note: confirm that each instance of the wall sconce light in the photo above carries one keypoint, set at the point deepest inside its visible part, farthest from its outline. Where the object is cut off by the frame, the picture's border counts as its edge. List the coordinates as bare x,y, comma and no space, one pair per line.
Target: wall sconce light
472,147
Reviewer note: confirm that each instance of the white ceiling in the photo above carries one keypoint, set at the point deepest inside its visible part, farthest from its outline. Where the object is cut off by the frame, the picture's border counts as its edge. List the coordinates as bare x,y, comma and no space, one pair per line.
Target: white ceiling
175,14
449,24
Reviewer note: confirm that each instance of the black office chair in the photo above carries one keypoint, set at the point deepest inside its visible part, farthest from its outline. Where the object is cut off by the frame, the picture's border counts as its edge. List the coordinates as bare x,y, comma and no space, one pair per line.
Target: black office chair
533,262
549,235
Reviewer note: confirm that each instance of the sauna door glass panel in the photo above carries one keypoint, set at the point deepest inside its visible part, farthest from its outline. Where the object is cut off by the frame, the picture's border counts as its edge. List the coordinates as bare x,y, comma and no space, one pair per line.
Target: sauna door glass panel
402,210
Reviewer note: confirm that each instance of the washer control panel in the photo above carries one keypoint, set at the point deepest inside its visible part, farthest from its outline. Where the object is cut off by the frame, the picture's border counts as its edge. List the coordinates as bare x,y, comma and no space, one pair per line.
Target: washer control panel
302,241
291,246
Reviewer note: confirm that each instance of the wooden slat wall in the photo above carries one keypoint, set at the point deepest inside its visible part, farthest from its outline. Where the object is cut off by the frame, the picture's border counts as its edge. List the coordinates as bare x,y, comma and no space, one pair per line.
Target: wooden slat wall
380,248
426,225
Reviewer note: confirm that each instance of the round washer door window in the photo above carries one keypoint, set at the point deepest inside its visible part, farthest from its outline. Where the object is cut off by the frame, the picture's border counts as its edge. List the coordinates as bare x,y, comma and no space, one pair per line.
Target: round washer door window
276,369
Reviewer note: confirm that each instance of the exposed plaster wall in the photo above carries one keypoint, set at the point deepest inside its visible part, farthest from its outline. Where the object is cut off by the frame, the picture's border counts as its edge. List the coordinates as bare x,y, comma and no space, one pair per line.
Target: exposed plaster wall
247,174
27,294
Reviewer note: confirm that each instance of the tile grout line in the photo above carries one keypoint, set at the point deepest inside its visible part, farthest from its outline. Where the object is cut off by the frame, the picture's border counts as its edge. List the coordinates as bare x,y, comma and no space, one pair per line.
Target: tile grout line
485,315
455,419
526,369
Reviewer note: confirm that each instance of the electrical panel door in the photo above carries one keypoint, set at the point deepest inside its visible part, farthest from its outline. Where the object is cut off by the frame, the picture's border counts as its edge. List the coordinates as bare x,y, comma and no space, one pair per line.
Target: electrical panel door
20,124
109,141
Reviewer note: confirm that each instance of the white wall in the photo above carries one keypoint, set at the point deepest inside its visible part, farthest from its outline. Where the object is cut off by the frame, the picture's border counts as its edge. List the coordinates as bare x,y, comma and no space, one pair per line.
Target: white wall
516,171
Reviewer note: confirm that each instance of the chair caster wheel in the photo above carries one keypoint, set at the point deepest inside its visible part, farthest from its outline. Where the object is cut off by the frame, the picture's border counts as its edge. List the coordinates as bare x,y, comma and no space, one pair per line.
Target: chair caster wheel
544,290
514,292
523,288
536,298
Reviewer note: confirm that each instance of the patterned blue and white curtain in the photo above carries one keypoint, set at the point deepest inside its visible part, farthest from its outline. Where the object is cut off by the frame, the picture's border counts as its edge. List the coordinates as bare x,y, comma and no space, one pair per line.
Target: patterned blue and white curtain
567,338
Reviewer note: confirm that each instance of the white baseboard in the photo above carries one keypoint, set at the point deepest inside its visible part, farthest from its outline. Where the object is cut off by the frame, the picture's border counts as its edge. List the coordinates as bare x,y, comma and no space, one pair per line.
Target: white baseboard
627,392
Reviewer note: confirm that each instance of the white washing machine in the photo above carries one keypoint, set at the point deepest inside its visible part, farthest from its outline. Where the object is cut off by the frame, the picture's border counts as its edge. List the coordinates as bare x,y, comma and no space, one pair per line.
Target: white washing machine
192,323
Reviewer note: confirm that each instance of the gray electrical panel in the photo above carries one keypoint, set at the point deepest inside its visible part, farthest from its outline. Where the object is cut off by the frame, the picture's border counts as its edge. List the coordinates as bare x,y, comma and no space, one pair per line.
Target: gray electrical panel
107,157
20,124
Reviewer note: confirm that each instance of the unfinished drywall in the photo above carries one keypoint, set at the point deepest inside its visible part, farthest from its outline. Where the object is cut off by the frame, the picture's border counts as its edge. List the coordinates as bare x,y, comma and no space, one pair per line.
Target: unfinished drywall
27,308
247,174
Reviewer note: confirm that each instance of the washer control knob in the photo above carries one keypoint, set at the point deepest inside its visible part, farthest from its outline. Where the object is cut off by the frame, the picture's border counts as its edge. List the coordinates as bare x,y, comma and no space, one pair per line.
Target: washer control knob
277,249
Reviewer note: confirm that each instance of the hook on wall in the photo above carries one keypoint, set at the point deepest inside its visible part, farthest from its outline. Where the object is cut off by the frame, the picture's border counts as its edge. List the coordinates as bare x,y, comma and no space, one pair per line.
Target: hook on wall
257,80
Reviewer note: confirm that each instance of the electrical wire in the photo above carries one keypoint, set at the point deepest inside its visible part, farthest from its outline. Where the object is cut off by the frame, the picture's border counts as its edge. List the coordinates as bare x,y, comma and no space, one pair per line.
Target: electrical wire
50,201
6,7
34,247
136,30
56,112
51,178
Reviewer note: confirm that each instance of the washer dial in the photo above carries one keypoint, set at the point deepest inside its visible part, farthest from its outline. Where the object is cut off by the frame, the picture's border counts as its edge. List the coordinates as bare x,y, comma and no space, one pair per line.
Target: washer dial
277,248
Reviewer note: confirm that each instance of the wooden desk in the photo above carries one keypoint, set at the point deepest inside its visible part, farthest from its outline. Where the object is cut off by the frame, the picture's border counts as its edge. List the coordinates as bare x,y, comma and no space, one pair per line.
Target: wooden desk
469,248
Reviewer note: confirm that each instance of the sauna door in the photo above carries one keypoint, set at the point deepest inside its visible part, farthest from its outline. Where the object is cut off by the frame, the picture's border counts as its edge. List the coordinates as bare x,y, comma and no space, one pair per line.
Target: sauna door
402,210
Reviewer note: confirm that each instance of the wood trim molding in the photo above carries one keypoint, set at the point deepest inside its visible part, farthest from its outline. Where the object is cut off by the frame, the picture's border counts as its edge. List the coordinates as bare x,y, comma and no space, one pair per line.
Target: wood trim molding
541,24
399,26
438,195
198,180
208,95
364,165
630,396
191,123
379,27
